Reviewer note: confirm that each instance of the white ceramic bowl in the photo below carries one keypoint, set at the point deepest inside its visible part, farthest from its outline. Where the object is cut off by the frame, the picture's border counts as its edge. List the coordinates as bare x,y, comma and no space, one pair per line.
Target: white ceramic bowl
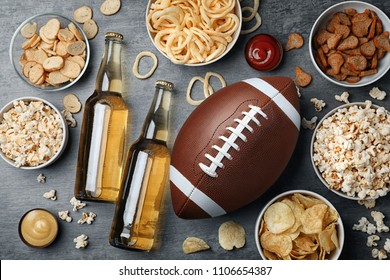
16,51
384,63
10,105
340,227
340,193
230,45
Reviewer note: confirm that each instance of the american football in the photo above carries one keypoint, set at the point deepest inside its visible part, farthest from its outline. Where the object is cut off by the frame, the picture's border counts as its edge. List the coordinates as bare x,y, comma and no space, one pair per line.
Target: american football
234,146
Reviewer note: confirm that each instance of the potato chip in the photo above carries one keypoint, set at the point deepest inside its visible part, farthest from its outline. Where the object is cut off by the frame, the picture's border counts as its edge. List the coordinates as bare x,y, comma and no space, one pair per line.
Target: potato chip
325,238
279,244
297,211
305,243
305,201
312,218
279,217
312,235
269,255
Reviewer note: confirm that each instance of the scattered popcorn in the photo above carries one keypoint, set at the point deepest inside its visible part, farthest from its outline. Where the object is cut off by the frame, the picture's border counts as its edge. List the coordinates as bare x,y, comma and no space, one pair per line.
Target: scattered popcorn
318,104
306,124
81,241
77,204
343,97
371,228
387,245
378,94
87,218
379,254
378,218
64,215
69,118
352,151
31,133
364,226
50,195
371,240
41,178
368,203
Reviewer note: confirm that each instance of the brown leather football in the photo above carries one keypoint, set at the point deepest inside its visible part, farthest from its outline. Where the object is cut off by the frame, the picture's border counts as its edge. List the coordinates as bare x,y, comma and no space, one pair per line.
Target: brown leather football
234,146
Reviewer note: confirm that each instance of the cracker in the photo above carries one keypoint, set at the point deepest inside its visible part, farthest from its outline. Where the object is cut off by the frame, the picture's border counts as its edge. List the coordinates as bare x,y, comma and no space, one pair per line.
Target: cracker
82,14
78,59
27,67
110,7
76,48
51,29
66,35
28,30
75,31
336,60
295,41
35,73
29,43
302,78
61,48
53,63
90,29
71,103
71,69
55,78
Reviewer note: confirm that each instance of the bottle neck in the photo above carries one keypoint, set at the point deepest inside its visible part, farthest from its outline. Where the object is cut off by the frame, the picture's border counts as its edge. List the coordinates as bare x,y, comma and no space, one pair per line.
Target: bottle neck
156,122
109,77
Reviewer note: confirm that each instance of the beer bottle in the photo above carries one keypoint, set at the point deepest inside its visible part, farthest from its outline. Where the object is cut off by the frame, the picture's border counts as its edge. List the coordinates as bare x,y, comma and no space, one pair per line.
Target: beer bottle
146,175
103,131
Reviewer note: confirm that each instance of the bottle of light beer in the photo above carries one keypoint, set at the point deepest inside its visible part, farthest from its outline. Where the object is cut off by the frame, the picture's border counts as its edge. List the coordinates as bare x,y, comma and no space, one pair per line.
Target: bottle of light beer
103,132
146,176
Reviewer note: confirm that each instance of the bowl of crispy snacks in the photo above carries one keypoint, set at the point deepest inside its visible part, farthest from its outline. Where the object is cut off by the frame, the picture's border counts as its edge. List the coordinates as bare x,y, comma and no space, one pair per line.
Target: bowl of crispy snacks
349,43
299,225
194,34
49,52
350,150
33,133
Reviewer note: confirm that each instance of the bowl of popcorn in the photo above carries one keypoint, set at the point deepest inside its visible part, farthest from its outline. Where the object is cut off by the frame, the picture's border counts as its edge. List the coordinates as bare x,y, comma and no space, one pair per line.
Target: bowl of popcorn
349,42
33,133
49,52
299,225
350,150
194,33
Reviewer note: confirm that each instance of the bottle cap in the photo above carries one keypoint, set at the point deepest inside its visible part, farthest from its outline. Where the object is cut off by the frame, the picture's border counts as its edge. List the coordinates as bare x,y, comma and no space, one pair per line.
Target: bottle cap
114,35
263,52
165,84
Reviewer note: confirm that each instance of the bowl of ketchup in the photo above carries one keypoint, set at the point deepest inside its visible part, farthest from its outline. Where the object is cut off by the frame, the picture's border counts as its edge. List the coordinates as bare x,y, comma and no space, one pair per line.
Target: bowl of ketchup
263,52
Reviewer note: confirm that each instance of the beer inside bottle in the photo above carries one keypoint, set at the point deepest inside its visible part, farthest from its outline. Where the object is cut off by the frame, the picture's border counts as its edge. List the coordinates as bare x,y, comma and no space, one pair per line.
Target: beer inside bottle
146,175
103,132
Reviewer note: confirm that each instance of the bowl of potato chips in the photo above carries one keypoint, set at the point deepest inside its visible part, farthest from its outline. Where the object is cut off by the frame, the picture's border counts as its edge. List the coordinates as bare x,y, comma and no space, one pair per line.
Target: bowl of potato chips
299,225
194,33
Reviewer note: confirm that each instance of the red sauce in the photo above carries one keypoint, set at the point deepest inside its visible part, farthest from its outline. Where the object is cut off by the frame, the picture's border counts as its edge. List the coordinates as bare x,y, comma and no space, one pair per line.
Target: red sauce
263,52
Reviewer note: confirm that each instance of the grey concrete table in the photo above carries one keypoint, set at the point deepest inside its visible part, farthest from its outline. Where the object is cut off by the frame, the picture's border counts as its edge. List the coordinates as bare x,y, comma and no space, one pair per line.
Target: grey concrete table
20,191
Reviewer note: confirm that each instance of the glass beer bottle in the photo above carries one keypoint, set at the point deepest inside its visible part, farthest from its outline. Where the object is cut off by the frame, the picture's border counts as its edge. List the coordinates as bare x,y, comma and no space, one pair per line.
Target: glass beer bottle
103,132
147,171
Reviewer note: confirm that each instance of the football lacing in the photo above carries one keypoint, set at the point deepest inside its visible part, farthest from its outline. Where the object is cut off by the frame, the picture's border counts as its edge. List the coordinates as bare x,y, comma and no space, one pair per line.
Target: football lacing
237,132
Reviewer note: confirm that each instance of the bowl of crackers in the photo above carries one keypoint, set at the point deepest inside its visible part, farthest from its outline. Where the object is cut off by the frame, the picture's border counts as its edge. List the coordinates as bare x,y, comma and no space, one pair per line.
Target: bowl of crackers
33,133
191,34
299,225
49,51
350,150
349,43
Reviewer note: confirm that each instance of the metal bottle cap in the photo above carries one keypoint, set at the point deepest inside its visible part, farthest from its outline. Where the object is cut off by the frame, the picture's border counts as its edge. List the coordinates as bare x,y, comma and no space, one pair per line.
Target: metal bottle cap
165,84
114,35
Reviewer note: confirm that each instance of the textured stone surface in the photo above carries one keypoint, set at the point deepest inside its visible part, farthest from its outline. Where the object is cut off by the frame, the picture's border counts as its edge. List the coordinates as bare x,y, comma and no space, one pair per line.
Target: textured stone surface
20,191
